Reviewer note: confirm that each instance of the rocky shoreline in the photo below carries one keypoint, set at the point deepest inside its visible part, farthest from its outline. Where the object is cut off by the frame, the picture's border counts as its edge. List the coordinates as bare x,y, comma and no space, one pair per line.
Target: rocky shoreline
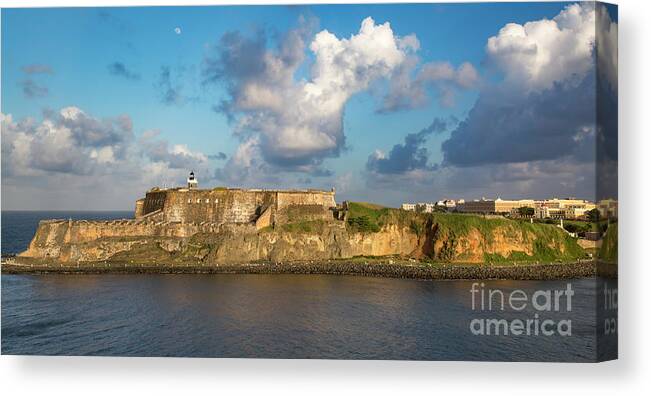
384,268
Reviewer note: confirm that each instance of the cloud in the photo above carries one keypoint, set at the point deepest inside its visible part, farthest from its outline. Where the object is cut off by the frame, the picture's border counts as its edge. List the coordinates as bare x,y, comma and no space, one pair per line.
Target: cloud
68,142
607,103
607,35
406,157
544,106
120,70
219,156
171,88
71,141
32,89
170,94
344,182
71,159
504,128
176,156
533,131
540,53
37,69
261,83
549,178
408,86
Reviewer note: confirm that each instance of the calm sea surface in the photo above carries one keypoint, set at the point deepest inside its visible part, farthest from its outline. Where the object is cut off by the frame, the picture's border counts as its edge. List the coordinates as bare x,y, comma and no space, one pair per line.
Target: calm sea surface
279,316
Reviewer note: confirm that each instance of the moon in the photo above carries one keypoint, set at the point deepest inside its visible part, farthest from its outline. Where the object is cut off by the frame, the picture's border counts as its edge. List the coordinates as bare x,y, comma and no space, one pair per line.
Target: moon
177,30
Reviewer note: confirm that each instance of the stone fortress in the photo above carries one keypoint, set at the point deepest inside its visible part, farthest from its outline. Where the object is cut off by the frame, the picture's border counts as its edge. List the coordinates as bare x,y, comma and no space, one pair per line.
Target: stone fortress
220,206
182,212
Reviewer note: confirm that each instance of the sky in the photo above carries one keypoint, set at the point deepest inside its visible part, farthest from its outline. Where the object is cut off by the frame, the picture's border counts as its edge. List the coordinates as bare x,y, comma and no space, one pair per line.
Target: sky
386,103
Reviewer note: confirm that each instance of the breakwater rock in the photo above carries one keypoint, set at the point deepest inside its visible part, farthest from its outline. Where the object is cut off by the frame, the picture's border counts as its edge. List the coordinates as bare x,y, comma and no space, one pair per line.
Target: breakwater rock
331,267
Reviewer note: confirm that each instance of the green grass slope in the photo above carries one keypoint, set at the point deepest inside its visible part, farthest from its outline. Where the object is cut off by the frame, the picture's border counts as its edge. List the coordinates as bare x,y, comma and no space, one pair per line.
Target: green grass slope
550,243
608,251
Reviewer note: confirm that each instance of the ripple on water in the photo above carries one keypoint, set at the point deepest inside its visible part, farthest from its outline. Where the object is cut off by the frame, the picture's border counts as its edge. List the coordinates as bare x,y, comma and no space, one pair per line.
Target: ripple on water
283,316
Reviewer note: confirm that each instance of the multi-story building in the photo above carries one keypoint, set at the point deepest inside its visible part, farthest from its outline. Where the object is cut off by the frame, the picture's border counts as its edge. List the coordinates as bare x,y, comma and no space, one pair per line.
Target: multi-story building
555,208
494,206
423,207
569,208
408,206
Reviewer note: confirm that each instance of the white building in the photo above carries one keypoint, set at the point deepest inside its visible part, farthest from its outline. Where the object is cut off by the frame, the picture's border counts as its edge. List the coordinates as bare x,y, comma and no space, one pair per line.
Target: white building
424,207
447,204
569,208
408,206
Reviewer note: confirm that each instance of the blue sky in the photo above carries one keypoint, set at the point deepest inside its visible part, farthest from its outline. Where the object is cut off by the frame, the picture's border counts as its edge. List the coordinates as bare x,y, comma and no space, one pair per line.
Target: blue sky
83,48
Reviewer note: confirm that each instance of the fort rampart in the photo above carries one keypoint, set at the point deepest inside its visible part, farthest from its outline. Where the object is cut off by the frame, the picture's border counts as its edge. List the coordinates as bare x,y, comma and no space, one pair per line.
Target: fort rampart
180,213
224,206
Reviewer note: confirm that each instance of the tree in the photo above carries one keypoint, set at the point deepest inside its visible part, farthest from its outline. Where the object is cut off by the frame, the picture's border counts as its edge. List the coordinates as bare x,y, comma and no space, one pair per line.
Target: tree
526,211
593,215
363,224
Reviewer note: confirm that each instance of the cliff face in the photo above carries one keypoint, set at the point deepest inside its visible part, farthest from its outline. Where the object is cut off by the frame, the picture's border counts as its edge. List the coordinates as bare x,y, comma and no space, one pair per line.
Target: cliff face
446,237
98,240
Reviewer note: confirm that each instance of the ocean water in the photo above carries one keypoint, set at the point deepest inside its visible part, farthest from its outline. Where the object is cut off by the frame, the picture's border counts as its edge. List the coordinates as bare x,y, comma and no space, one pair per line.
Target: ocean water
273,316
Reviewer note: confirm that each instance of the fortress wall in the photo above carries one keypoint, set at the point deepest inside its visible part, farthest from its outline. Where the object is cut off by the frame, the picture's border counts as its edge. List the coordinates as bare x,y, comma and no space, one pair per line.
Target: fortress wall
68,240
154,200
218,206
230,205
57,231
244,206
89,231
322,198
297,213
140,208
294,206
182,213
48,241
53,239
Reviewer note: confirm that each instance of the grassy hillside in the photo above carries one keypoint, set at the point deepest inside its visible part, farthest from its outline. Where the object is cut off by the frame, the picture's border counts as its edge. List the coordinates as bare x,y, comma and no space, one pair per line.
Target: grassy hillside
366,217
608,251
550,243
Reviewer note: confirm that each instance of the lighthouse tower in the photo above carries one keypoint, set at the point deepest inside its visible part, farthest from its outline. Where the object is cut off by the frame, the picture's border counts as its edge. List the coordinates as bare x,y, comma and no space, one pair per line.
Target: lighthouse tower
192,181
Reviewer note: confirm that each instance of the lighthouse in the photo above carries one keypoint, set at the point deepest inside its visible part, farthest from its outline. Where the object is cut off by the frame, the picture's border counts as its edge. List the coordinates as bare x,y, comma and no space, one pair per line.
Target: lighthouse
192,181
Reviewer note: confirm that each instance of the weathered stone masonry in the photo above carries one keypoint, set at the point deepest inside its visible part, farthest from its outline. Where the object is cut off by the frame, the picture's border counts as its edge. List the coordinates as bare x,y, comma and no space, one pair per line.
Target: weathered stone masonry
224,206
182,213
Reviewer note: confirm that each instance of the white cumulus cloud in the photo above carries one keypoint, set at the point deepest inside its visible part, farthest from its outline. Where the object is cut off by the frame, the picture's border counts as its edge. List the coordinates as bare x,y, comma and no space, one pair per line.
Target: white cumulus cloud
535,55
294,124
71,159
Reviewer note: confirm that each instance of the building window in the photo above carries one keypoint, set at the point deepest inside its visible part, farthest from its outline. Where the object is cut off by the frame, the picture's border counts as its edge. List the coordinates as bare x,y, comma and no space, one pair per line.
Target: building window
198,200
189,201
